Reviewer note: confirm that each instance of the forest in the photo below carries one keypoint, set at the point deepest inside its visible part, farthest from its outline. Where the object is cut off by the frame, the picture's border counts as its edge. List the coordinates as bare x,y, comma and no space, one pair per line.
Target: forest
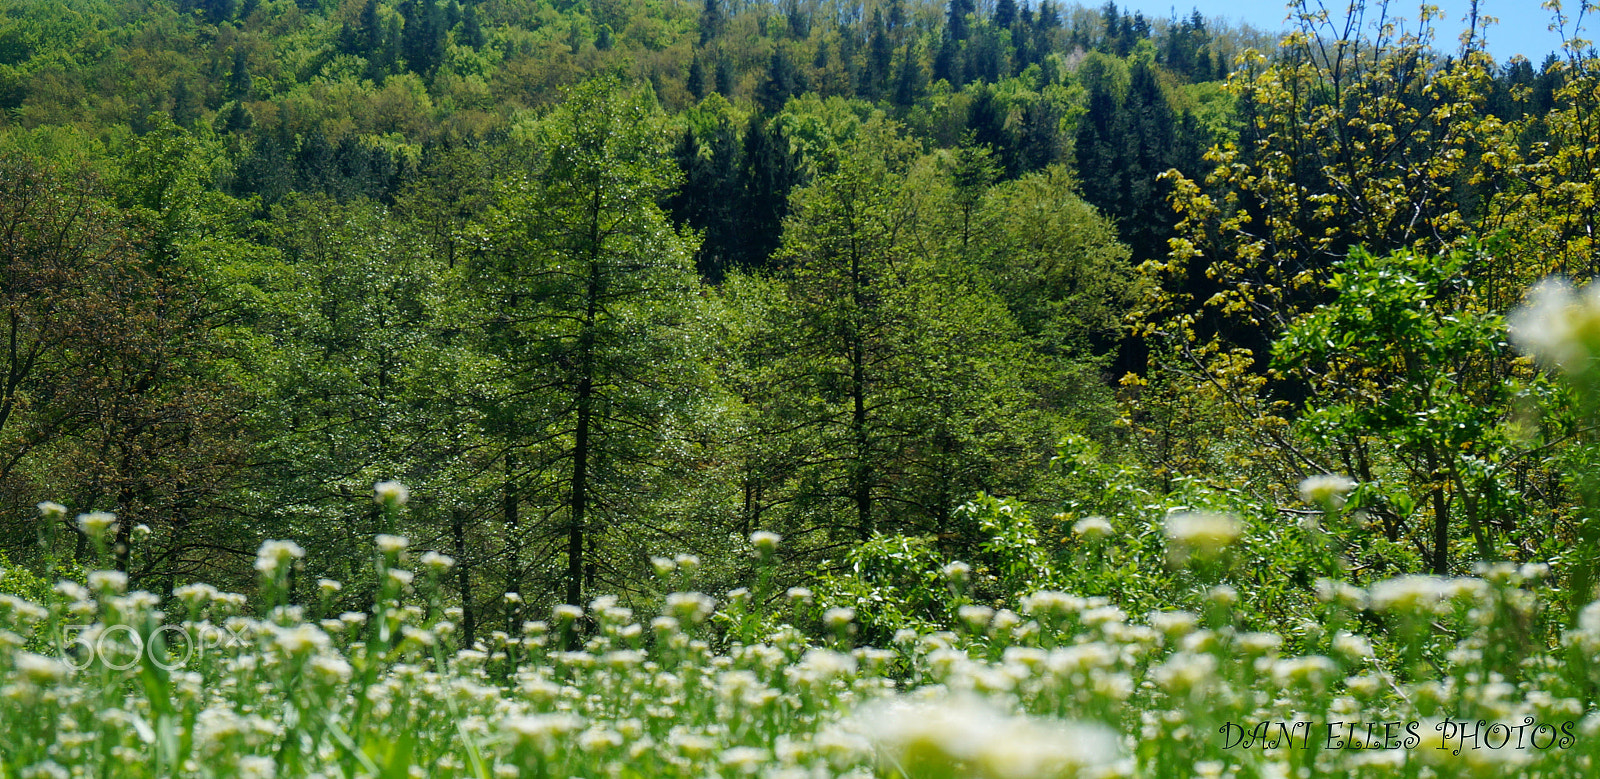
975,388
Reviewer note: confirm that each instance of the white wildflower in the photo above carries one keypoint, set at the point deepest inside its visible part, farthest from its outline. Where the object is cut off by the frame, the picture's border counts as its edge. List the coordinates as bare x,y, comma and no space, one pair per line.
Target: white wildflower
1173,624
97,523
300,640
275,554
1559,326
108,581
930,735
39,669
976,617
1414,594
691,607
838,618
957,573
744,760
390,494
765,542
1326,490
1092,528
1204,533
195,595
541,730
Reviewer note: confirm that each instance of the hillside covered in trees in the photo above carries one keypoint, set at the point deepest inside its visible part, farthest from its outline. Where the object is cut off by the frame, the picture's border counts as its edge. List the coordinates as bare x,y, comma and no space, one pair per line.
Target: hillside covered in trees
913,307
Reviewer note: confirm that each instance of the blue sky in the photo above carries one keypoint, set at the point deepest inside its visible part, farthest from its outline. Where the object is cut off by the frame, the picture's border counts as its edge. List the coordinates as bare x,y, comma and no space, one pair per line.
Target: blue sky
1523,27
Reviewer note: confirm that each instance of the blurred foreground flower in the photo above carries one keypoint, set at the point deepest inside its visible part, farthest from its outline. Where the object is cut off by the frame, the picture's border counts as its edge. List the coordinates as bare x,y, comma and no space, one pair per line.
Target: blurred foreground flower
1092,528
1204,533
1558,325
274,554
965,736
390,493
1327,491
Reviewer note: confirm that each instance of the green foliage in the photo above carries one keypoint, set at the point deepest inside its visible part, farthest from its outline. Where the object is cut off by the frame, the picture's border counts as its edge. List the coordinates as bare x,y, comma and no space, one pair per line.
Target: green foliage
21,582
1408,387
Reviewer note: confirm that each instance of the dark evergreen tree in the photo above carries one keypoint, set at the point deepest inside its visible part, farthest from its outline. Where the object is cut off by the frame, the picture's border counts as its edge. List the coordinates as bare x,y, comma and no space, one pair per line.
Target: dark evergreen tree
186,106
369,30
911,79
880,58
1122,149
782,82
1005,13
711,21
947,62
423,40
799,20
239,81
709,197
897,20
766,174
216,11
725,77
471,29
848,61
985,56
1049,16
957,26
1097,151
696,82
1040,143
385,58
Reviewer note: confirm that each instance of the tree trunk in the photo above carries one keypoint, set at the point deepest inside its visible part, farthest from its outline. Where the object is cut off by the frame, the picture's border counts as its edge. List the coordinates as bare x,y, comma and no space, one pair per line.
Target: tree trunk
513,547
469,619
1441,516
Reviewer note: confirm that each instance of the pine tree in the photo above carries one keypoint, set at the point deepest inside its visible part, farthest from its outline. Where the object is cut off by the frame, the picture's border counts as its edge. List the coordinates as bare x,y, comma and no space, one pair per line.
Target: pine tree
956,25
239,81
1005,13
186,105
725,77
711,21
782,82
471,28
696,83
880,58
910,79
766,174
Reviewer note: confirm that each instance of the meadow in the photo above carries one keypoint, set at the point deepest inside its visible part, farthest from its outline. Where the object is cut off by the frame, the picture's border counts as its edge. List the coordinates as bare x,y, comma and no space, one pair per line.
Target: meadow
99,682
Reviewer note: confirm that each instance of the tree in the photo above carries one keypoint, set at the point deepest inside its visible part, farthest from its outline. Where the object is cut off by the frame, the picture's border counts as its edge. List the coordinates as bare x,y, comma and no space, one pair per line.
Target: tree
1335,151
696,83
710,199
892,368
60,246
111,398
711,21
239,81
782,82
591,283
957,26
767,172
1410,395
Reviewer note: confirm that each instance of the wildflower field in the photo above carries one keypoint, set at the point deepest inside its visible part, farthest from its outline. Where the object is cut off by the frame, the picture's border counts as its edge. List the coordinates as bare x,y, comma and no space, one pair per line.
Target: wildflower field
1053,685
